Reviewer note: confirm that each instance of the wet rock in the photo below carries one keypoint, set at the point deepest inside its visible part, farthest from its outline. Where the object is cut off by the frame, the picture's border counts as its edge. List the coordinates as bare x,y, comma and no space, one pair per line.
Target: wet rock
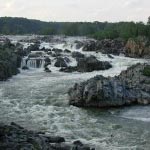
130,87
57,51
47,61
89,64
60,62
67,51
15,137
34,47
110,56
68,69
25,68
47,69
77,55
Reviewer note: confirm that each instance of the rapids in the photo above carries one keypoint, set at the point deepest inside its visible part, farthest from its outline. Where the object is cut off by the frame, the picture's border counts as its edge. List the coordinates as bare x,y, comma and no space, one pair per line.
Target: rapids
38,100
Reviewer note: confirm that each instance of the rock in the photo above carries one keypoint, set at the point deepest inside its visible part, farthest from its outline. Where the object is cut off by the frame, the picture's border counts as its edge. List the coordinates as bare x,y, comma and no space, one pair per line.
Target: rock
15,137
77,55
10,60
47,69
35,55
47,61
106,46
34,47
79,44
68,69
25,68
139,47
90,64
130,87
57,51
67,51
110,56
60,62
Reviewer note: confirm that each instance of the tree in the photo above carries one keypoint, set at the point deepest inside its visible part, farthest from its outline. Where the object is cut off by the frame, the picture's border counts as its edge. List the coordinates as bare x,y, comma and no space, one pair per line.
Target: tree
148,20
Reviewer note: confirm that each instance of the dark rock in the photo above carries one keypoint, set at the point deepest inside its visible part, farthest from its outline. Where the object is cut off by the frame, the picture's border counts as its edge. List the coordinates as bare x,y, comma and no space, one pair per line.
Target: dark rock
77,55
90,64
15,137
34,47
68,69
47,69
79,44
130,87
47,61
57,51
60,62
10,60
25,68
67,51
106,46
110,56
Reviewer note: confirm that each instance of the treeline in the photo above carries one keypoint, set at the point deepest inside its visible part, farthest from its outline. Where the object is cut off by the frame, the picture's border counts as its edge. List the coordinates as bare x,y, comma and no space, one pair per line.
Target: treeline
98,30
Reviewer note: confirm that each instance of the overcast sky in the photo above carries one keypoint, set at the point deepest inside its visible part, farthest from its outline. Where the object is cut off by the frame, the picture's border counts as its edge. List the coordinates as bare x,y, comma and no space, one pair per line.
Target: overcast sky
77,10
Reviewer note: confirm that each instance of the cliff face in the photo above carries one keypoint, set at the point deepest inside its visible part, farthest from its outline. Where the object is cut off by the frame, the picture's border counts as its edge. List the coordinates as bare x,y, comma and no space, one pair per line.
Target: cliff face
131,86
139,47
10,60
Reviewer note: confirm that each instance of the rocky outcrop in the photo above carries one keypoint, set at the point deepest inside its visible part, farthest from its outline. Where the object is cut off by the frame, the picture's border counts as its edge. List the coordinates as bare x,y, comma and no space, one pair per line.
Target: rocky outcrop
137,48
130,87
10,60
15,137
106,46
89,64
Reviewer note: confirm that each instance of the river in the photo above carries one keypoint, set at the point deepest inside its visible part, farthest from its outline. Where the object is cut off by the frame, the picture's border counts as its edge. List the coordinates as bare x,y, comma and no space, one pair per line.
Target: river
39,101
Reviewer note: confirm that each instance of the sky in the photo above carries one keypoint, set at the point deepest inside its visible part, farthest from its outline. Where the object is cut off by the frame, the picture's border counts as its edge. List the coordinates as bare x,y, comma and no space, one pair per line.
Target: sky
77,10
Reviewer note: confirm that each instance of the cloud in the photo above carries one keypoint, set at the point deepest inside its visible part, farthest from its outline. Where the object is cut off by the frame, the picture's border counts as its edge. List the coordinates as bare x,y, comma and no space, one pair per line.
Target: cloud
77,10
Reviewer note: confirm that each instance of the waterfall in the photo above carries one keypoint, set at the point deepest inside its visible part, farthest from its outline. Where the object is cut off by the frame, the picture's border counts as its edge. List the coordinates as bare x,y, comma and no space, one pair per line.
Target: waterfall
33,62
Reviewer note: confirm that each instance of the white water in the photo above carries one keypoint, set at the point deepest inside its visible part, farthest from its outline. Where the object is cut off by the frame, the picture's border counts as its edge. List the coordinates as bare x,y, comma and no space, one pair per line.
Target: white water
39,101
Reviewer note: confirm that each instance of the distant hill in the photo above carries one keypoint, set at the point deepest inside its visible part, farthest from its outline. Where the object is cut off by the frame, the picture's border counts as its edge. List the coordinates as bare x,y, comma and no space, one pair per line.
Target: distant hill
99,30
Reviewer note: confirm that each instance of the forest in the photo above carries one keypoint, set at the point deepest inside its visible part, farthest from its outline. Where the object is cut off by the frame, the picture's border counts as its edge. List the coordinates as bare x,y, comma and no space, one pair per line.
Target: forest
97,30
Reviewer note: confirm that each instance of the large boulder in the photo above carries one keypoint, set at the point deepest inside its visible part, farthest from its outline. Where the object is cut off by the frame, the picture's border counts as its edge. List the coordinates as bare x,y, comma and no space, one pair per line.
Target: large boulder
130,87
60,62
89,64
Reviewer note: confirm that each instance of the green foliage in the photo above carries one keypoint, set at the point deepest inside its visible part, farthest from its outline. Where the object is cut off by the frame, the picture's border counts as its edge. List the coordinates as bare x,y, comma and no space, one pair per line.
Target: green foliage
98,30
146,71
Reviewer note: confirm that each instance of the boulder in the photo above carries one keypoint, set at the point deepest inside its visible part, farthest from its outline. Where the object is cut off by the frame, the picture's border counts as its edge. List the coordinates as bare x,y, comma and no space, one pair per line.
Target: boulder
60,62
67,51
130,87
77,55
25,68
89,64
